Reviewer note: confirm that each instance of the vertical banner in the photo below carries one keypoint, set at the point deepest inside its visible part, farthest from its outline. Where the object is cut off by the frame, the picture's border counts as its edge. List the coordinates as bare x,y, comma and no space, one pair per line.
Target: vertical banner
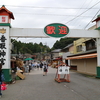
5,47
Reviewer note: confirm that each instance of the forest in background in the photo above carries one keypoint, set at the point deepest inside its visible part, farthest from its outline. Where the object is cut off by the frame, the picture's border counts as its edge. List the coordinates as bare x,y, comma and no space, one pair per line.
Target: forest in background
31,48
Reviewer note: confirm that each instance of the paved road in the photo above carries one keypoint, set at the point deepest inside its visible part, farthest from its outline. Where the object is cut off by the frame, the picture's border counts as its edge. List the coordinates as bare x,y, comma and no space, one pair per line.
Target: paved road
39,87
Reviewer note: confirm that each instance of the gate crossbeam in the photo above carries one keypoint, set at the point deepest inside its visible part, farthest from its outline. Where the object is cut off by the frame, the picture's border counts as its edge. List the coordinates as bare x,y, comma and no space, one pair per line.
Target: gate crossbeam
39,33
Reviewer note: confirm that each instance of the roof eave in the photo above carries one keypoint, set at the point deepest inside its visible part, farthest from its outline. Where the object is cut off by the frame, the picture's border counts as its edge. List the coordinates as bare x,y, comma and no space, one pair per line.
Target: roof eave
9,12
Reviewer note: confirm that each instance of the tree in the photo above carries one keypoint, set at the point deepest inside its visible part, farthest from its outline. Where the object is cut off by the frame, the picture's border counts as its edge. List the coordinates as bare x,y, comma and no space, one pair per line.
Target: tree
63,42
28,47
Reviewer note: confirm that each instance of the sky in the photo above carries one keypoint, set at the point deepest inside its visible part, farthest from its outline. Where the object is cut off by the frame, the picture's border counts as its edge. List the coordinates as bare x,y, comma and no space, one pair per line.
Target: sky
76,14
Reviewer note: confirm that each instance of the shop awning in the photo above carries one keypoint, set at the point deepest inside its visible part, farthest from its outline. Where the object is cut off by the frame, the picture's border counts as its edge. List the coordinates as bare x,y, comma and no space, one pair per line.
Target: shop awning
93,55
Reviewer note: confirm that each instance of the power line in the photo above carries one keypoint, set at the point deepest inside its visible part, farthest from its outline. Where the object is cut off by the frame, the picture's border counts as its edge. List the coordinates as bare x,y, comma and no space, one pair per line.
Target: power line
51,14
83,12
77,13
47,7
84,4
92,19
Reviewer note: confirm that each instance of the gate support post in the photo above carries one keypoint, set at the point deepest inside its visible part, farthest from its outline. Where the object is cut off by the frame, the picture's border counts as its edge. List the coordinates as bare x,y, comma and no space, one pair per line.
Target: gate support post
5,52
5,58
98,58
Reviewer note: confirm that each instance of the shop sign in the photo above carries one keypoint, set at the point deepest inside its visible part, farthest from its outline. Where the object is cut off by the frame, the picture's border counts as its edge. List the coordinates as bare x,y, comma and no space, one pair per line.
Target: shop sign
56,30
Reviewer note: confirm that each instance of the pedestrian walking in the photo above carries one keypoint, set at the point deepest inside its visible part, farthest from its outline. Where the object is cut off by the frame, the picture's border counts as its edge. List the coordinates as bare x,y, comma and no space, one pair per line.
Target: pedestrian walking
41,65
45,69
25,66
30,66
1,78
35,64
38,65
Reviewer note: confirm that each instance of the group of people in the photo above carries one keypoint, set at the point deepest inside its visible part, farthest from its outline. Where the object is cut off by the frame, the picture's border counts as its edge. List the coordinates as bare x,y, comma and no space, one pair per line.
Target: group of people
31,65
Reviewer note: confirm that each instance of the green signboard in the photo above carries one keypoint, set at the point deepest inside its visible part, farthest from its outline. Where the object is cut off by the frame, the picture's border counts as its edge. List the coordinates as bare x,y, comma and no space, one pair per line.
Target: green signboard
56,30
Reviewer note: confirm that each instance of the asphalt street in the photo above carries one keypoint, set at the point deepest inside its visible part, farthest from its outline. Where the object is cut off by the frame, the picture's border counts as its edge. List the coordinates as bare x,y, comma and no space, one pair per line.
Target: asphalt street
38,87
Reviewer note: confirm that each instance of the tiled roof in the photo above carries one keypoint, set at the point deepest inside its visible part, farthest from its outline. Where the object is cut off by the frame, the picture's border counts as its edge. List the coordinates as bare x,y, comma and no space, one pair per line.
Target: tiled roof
10,13
56,50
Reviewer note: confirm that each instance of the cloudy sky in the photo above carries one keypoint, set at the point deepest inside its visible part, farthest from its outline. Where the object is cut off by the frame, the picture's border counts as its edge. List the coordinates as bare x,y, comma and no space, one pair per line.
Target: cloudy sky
76,14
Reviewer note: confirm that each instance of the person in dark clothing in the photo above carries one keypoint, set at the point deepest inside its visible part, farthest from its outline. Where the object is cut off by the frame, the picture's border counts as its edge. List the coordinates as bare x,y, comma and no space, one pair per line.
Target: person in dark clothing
30,66
45,69
1,78
41,65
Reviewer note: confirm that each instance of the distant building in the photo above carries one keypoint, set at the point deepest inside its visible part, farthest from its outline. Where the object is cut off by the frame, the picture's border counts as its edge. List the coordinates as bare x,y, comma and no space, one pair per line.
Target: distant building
56,57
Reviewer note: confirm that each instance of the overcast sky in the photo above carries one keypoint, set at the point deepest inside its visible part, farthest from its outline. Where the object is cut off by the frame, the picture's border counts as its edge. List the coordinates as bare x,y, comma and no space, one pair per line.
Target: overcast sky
76,14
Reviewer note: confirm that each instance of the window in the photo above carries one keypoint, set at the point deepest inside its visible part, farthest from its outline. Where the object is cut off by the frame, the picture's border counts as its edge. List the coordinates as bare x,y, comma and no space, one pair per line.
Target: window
90,45
79,48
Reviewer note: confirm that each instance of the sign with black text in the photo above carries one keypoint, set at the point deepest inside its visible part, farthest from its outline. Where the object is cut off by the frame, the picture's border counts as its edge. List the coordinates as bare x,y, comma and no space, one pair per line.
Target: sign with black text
63,70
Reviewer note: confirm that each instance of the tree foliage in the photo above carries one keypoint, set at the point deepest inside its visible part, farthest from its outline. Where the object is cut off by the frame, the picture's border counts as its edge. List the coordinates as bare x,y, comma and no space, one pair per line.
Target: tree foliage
63,42
19,47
